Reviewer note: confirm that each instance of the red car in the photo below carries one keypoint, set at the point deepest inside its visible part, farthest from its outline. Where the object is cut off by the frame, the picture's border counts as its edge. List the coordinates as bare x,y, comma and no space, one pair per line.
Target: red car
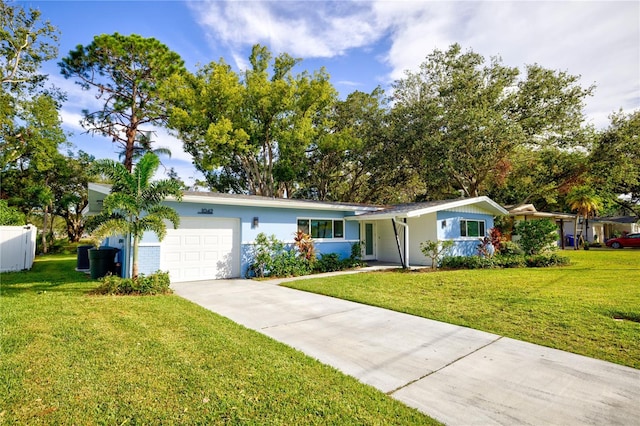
631,240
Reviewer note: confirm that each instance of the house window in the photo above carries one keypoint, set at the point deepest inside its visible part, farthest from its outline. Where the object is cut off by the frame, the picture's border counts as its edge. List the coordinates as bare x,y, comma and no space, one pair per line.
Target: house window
322,228
472,228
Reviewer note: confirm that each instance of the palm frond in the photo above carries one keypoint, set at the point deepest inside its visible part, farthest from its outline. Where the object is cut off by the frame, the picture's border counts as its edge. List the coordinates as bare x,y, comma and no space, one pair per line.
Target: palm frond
145,170
154,224
165,213
111,227
121,201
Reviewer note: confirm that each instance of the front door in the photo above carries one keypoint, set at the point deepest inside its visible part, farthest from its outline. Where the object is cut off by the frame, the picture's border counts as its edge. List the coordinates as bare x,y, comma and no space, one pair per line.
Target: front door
369,249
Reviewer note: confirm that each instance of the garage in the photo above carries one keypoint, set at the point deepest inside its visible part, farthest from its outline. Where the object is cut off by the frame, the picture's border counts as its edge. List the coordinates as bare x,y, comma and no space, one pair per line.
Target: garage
202,249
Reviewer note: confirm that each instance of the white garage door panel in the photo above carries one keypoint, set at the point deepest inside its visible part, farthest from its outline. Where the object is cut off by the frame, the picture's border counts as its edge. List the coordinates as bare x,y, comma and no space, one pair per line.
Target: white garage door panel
202,249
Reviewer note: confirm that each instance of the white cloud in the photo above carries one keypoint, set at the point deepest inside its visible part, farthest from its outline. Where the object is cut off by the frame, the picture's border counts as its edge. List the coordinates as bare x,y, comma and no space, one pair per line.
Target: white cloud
597,40
163,139
306,29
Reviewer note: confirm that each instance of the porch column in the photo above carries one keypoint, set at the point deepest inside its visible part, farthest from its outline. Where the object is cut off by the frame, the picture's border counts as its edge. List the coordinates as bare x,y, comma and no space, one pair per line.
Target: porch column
406,241
395,231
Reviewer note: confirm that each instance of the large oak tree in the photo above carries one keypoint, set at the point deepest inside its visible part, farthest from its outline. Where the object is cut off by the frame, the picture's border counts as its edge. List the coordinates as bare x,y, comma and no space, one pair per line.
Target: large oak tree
461,118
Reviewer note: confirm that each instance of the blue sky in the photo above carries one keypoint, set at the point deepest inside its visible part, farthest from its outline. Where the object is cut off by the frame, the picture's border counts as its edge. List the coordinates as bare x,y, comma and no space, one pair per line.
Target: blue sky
363,44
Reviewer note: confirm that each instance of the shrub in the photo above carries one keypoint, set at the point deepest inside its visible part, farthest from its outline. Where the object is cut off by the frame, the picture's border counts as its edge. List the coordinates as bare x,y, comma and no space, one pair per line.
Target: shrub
273,259
356,251
156,283
287,263
329,262
509,261
509,248
467,262
546,260
304,244
537,236
435,250
486,248
496,238
10,216
504,261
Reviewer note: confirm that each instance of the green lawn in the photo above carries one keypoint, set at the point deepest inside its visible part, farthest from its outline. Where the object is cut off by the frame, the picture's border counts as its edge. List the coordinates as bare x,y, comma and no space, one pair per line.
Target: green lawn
67,357
591,307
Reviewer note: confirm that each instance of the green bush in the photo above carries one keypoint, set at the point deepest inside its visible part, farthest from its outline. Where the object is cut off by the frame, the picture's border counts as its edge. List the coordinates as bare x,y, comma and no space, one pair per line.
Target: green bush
328,263
287,263
509,248
156,283
537,236
510,261
467,262
10,216
273,259
435,250
546,260
504,261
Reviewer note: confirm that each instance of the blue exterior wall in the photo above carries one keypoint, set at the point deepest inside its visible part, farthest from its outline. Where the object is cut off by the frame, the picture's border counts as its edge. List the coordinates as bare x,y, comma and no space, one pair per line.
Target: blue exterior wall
464,246
148,259
281,222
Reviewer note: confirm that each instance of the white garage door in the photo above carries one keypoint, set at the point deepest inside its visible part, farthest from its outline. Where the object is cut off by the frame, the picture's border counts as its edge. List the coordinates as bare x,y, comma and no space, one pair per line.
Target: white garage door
202,249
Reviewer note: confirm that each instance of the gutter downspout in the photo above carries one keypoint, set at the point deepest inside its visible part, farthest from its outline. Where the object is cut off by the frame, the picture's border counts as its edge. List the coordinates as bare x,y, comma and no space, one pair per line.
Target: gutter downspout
405,264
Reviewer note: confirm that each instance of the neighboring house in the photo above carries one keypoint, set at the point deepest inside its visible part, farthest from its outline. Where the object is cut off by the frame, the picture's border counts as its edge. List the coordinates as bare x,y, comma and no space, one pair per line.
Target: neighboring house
615,226
217,231
564,221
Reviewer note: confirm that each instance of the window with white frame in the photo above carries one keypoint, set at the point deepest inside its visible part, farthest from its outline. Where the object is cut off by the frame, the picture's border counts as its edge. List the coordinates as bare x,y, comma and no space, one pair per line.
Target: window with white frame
322,228
471,228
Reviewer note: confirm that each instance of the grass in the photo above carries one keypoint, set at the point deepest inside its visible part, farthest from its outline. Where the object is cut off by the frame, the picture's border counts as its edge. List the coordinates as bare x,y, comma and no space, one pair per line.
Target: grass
68,357
591,307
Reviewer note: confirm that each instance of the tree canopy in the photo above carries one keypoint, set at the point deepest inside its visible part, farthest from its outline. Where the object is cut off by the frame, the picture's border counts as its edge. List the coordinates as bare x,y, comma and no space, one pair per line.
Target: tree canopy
615,161
25,42
462,118
125,72
251,133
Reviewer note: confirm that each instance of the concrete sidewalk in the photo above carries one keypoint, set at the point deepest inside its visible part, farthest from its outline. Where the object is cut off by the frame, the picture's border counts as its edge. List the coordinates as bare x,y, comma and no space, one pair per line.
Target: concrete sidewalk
455,374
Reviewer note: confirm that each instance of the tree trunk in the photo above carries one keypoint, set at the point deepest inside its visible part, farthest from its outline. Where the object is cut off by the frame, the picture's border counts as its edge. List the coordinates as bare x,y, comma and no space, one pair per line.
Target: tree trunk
45,218
134,259
575,232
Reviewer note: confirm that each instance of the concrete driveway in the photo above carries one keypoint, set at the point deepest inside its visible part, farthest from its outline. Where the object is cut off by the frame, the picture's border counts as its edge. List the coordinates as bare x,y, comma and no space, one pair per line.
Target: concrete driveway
455,374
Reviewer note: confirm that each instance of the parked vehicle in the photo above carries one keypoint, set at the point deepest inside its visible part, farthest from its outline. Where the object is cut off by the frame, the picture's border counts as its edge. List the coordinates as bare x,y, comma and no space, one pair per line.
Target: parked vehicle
630,240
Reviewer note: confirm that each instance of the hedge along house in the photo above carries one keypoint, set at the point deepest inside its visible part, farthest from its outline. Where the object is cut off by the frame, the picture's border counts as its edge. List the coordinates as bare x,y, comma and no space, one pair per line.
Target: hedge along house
217,231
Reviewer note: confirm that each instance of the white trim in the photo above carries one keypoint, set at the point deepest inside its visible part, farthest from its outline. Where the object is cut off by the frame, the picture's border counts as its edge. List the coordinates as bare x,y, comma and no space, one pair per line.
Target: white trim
484,226
154,244
315,240
374,237
332,219
256,201
488,204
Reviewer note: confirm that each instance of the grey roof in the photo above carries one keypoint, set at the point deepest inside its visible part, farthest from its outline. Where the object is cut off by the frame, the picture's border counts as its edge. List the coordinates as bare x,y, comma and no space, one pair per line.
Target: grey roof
258,198
419,209
402,209
618,219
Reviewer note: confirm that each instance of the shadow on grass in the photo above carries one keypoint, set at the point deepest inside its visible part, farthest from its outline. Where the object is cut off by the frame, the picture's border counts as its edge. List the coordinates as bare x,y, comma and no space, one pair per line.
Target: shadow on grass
53,273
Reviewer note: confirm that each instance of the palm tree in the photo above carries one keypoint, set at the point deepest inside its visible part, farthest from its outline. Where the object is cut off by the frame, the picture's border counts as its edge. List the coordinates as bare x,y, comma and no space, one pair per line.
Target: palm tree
584,200
134,205
142,145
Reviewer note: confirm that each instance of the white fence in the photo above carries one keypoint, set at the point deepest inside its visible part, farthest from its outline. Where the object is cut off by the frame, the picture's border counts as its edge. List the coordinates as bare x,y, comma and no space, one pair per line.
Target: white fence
17,247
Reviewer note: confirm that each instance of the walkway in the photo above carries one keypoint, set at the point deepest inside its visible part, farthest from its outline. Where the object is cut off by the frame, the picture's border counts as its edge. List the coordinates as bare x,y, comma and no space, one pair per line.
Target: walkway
457,375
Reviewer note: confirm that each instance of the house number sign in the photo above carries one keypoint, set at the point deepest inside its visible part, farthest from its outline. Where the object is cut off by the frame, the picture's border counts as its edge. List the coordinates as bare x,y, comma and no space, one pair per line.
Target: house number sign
205,211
